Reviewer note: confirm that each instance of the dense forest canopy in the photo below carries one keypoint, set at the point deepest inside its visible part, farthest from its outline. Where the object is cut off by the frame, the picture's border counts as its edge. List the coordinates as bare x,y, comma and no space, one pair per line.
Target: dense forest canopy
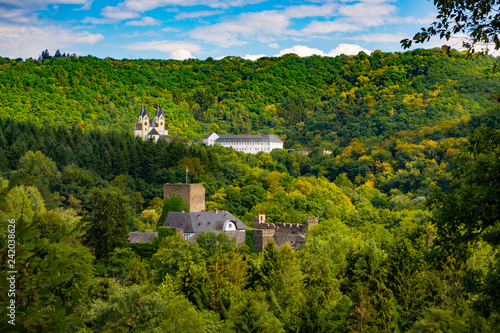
403,175
306,101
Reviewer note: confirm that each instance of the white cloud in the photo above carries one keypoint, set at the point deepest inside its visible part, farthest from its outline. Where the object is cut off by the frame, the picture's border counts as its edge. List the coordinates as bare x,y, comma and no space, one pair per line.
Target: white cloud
145,5
95,20
176,49
68,2
309,11
301,51
86,6
426,20
254,25
392,38
347,49
22,16
137,34
274,45
181,54
325,27
368,14
119,13
43,3
198,14
263,26
170,29
305,51
145,21
254,57
28,41
131,9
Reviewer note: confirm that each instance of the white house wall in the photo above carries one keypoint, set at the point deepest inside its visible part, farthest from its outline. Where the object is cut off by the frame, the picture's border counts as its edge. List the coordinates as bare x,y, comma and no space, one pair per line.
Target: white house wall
253,147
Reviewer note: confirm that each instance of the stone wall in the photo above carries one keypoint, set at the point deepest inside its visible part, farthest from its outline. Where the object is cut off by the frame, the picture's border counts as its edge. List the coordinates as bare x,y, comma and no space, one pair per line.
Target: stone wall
259,222
281,233
193,194
312,221
261,237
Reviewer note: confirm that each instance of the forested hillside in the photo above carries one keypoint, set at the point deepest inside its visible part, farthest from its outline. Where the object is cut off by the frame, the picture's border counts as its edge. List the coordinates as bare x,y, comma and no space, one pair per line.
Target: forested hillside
307,101
403,175
375,262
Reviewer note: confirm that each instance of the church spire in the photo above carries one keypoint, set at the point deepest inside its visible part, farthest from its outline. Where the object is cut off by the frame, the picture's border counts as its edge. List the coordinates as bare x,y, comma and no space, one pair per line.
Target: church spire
159,112
143,113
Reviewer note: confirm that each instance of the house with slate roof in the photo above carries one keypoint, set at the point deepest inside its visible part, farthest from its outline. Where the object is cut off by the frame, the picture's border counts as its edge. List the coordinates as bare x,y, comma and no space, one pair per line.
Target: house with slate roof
216,221
250,144
151,128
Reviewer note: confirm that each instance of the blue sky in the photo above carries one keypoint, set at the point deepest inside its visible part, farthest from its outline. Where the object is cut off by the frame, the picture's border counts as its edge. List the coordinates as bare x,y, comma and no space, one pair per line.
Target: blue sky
180,29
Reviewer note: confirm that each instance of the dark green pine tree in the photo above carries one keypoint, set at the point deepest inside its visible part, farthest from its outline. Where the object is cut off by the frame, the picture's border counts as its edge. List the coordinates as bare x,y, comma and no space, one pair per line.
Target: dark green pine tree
193,281
147,162
105,223
135,162
366,278
4,161
414,285
84,154
119,163
17,150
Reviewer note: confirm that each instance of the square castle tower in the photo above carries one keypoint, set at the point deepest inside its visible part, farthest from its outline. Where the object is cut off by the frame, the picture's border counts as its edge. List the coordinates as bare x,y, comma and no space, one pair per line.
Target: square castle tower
193,194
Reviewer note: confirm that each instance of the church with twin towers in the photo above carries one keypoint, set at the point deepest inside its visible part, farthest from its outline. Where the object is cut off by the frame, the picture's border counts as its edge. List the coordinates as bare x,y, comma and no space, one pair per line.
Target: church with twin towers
151,128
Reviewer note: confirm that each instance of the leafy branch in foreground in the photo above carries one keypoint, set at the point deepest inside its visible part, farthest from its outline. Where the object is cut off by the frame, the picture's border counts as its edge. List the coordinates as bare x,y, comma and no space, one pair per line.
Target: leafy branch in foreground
478,19
46,291
472,210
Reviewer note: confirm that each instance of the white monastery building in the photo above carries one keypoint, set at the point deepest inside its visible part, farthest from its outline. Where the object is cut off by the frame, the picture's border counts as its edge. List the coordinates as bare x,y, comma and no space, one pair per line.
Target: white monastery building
154,128
250,144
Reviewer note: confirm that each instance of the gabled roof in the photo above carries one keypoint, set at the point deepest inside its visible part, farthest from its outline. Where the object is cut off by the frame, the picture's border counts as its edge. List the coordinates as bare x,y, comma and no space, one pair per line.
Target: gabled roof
195,222
135,237
144,112
153,132
137,126
209,134
159,111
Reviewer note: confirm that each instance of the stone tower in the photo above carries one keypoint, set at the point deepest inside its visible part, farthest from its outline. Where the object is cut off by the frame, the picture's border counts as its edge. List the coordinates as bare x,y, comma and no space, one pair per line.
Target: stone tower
193,194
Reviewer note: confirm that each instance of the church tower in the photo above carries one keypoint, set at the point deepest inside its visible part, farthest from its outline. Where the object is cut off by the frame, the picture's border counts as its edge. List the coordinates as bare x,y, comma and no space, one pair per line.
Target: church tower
160,120
151,128
144,120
